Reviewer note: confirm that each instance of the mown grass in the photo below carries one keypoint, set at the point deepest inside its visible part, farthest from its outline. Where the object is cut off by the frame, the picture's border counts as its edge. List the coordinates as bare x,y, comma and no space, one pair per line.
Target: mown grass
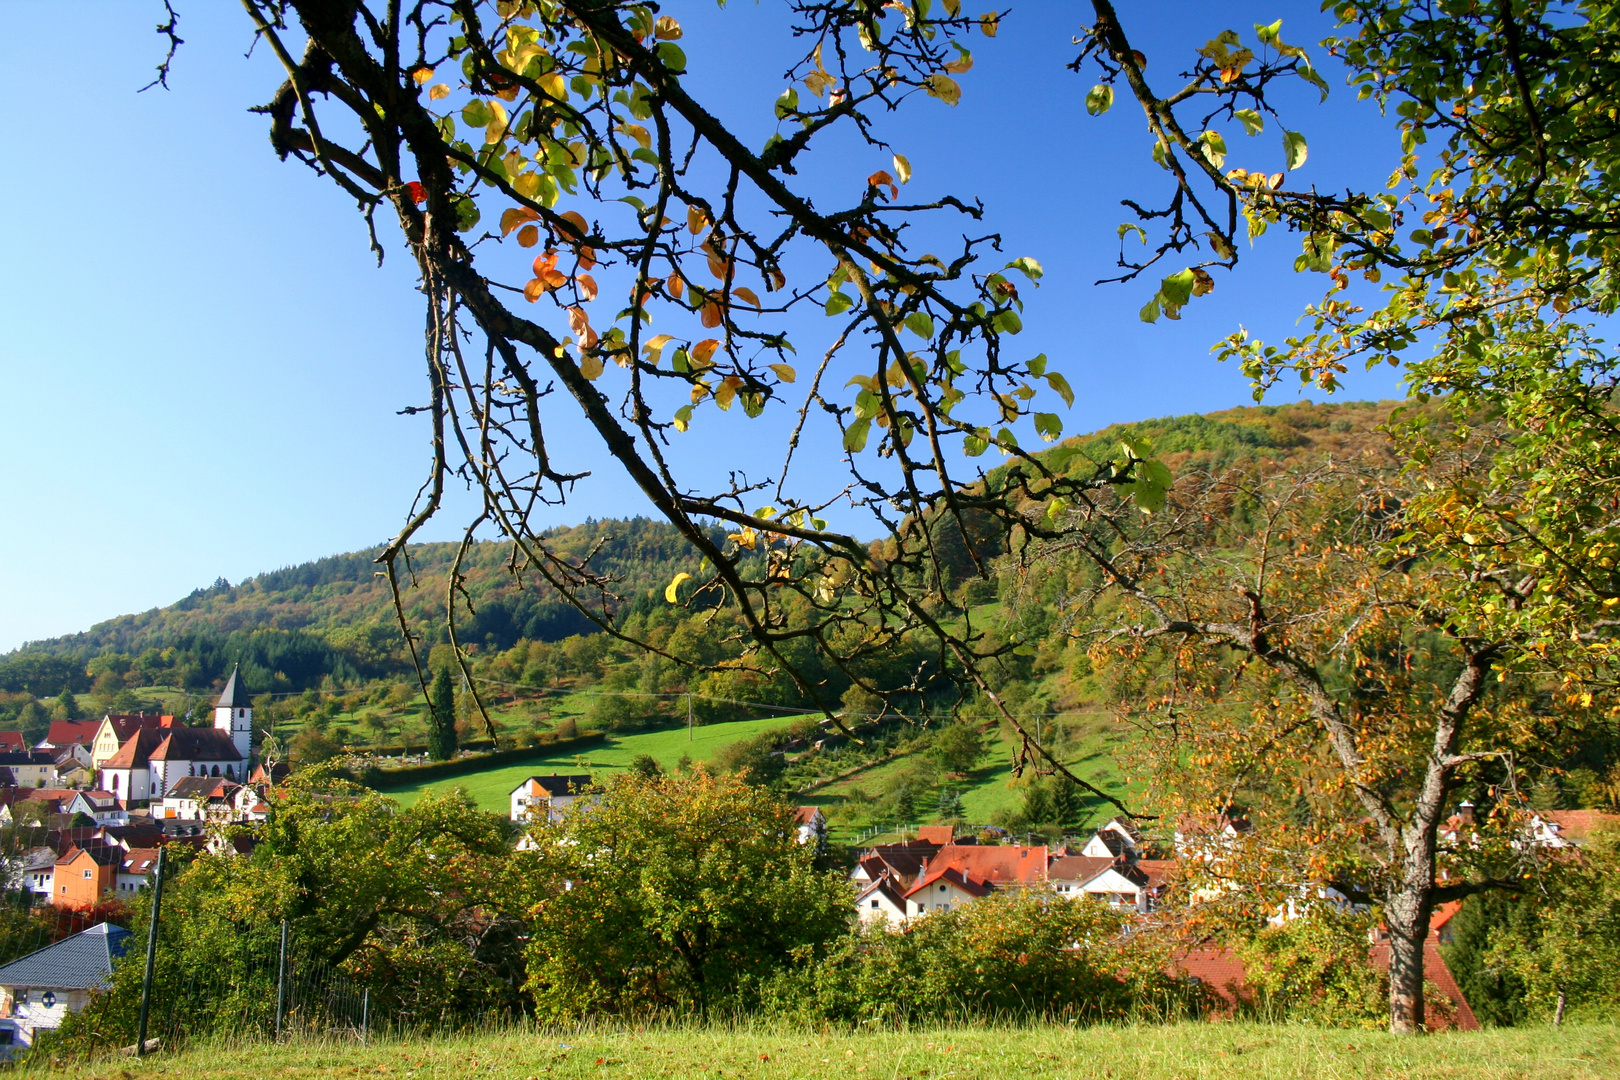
492,790
1170,1052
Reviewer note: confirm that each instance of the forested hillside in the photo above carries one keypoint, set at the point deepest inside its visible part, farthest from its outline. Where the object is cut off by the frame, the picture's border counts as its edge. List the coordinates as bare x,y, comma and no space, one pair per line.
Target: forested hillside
329,627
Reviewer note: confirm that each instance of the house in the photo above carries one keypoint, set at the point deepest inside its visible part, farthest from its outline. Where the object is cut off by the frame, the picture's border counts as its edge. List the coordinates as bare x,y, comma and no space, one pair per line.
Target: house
37,991
902,861
134,872
64,733
1069,874
116,728
71,770
31,768
35,871
128,773
1567,828
811,824
199,798
11,742
83,874
881,902
960,873
553,794
102,807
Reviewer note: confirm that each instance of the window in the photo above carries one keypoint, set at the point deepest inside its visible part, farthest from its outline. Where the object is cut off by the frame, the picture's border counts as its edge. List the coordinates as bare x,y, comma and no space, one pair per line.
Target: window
874,903
22,997
88,874
8,1036
942,888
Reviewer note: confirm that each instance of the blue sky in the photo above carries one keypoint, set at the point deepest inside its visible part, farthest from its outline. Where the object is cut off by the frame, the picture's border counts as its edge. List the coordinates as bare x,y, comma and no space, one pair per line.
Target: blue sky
204,365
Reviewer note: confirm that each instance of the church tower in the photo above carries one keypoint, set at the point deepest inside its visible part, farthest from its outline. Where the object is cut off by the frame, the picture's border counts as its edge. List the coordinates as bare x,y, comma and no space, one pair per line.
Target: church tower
234,714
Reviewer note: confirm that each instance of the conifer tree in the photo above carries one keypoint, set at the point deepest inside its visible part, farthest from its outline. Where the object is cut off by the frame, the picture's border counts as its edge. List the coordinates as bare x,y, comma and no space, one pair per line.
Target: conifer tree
442,721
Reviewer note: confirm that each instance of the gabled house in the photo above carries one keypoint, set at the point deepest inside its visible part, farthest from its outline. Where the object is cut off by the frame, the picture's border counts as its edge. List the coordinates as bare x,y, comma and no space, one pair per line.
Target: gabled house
128,773
960,873
1069,874
11,742
134,872
84,874
35,871
943,889
882,902
37,991
1567,828
903,861
544,798
64,733
811,825
116,728
102,807
199,798
71,770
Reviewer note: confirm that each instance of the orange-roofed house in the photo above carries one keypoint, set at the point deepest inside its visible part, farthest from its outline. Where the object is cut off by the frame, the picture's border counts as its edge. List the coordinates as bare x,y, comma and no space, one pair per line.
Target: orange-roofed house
11,742
961,873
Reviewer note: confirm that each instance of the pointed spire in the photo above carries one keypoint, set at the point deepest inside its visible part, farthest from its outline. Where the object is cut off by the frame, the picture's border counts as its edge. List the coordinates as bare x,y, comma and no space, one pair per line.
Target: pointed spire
235,695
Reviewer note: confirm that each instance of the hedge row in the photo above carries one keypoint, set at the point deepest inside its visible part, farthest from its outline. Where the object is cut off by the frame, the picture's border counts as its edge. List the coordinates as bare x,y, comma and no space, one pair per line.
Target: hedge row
546,745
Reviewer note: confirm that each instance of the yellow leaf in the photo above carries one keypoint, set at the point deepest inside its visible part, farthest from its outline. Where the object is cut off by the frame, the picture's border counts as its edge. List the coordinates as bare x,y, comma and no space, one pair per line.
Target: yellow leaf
554,86
695,219
902,168
590,366
587,286
943,87
655,346
962,63
667,29
990,22
422,75
670,592
438,92
726,391
638,133
784,372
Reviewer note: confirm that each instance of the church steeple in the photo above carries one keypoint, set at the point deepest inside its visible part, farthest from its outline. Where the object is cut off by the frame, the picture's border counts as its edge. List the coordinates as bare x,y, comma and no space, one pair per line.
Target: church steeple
234,714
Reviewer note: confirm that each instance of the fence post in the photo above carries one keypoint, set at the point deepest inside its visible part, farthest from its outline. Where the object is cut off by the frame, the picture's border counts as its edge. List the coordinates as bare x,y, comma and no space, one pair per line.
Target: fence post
151,956
365,1015
281,980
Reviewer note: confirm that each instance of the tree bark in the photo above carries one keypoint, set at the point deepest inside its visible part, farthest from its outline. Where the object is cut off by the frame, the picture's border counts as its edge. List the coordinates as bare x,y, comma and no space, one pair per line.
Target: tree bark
1406,917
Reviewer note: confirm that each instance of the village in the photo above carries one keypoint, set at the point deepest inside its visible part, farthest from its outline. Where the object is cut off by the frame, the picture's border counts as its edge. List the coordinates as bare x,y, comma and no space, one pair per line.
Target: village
100,799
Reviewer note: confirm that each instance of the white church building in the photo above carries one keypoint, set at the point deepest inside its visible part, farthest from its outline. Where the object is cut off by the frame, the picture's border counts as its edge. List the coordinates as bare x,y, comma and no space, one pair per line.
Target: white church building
153,760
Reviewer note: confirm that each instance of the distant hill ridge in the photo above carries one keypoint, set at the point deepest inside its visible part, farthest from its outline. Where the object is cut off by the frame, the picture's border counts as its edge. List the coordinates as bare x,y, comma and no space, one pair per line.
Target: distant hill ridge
334,616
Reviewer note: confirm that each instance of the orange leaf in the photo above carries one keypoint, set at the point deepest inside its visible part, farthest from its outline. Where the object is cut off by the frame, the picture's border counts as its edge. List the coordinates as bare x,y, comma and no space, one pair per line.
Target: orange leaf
742,292
528,236
587,286
554,279
580,323
702,351
883,179
534,290
675,287
546,260
587,258
696,219
574,218
711,315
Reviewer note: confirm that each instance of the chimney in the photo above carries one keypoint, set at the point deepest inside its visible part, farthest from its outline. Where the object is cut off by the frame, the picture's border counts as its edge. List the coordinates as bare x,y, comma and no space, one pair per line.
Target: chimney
1465,813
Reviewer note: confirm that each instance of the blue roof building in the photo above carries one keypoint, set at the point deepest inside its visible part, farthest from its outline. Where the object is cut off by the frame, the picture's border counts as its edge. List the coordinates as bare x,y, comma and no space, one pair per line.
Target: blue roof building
38,990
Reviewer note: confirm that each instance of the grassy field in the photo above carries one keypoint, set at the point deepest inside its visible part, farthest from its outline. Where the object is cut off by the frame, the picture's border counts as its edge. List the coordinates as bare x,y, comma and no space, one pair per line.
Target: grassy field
1173,1052
492,789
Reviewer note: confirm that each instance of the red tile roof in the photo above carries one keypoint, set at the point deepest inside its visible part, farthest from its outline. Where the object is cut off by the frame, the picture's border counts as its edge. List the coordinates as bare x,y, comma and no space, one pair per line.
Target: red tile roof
992,864
64,732
953,876
197,744
1576,826
936,834
11,742
136,751
1077,868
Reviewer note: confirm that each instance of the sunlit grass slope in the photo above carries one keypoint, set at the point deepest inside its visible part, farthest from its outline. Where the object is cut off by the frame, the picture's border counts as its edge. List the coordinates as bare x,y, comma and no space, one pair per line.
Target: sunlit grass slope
1172,1052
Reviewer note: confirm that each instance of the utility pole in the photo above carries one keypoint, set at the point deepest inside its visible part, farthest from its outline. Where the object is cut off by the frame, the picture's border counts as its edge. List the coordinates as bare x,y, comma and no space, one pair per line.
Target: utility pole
151,955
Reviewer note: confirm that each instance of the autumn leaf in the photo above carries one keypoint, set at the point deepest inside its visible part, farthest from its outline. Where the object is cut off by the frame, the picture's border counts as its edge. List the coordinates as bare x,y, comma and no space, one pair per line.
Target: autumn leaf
696,219
944,87
438,92
745,294
784,372
990,22
671,590
528,236
711,316
667,29
675,287
902,168
883,179
702,352
577,221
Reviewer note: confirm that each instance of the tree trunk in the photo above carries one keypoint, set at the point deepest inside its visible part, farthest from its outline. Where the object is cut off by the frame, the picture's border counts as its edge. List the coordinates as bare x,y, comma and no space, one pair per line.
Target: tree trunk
1406,916
1558,1013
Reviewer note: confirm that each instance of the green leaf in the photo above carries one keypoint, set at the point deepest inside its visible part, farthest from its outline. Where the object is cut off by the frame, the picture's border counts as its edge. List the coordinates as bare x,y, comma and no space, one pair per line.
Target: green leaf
476,114
920,324
1100,99
855,436
1007,322
1061,385
1293,149
1268,34
1309,75
1141,233
1253,123
974,445
1058,460
787,103
1177,289
1037,366
837,302
1048,426
1150,311
1028,266
683,417
1214,148
672,57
